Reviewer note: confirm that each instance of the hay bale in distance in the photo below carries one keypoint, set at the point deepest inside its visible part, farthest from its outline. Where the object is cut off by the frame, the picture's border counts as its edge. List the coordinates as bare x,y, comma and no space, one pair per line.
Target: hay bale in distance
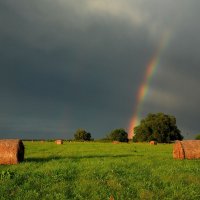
187,149
59,141
153,142
116,142
11,151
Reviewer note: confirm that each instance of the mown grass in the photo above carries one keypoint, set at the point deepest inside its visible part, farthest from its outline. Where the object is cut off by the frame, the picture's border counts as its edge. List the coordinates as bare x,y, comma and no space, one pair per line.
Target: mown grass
98,170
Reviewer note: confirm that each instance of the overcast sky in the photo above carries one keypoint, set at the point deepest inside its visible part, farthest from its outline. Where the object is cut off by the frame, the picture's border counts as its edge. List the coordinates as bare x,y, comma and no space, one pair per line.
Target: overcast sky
69,64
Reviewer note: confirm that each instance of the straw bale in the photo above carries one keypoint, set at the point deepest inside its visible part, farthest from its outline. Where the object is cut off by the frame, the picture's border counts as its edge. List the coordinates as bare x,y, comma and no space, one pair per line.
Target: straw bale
59,142
153,142
11,151
115,142
187,149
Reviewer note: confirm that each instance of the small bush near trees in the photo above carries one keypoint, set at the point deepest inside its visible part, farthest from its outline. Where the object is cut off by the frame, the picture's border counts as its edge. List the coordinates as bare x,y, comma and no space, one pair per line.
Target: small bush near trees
159,127
82,135
118,135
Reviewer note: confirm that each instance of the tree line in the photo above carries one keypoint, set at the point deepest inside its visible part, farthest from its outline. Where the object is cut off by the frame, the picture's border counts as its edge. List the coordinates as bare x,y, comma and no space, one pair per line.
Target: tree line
159,127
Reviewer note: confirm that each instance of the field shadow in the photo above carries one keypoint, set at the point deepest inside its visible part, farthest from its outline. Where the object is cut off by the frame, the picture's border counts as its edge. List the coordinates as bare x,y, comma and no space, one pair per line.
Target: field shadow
51,158
103,156
43,159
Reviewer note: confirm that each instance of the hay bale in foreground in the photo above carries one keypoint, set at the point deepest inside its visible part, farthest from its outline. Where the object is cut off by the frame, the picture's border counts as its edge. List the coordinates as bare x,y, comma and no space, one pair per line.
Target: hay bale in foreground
59,142
153,142
187,149
11,151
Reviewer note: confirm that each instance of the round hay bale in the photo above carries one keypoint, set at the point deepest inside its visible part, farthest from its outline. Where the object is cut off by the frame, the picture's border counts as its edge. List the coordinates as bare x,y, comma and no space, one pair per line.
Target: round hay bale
187,149
116,142
59,142
153,142
11,151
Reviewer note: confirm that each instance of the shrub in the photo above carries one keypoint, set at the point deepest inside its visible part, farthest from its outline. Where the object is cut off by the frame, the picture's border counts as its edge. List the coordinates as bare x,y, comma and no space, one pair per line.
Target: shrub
197,137
82,135
118,135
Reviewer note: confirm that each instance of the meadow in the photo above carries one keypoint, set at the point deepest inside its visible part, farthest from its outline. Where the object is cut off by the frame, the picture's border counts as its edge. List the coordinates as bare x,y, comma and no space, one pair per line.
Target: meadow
94,170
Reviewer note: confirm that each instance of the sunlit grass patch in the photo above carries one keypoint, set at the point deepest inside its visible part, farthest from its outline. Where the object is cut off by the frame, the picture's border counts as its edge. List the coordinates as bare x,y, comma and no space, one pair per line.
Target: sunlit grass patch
98,170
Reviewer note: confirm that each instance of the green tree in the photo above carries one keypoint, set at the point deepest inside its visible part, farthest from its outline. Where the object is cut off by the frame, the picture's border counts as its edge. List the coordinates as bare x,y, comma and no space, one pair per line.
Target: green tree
82,135
197,137
118,135
159,127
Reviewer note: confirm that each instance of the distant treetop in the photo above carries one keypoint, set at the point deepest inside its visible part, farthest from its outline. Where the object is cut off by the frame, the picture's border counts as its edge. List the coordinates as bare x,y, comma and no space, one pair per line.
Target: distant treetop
118,135
82,135
159,127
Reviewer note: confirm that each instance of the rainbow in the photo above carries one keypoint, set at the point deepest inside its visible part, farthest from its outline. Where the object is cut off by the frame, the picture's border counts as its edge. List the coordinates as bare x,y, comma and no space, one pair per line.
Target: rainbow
143,88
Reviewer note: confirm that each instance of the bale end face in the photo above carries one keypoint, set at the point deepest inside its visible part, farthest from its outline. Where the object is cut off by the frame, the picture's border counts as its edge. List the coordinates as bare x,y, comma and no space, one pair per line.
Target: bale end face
178,152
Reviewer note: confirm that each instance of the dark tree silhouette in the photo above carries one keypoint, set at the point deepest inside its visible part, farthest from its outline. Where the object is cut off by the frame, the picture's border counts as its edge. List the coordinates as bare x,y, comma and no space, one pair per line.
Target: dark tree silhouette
159,127
118,135
197,137
82,135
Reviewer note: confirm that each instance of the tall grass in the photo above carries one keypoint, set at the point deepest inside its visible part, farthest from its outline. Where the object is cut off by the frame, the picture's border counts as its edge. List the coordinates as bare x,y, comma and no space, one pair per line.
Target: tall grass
98,170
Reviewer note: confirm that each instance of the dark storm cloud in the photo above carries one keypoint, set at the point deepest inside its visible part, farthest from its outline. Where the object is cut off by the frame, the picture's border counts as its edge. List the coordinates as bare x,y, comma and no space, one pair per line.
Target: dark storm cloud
71,64
176,84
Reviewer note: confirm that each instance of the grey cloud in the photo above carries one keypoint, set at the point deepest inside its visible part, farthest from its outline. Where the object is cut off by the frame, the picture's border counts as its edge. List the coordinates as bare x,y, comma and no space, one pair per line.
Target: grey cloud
71,64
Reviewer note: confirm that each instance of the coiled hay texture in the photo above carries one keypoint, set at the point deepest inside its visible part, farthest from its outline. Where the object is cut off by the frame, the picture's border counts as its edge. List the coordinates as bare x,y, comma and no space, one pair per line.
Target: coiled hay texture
59,142
11,151
187,149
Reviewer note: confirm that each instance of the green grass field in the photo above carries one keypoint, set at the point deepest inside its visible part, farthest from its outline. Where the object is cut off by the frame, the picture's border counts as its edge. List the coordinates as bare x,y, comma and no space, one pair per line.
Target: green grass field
98,170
